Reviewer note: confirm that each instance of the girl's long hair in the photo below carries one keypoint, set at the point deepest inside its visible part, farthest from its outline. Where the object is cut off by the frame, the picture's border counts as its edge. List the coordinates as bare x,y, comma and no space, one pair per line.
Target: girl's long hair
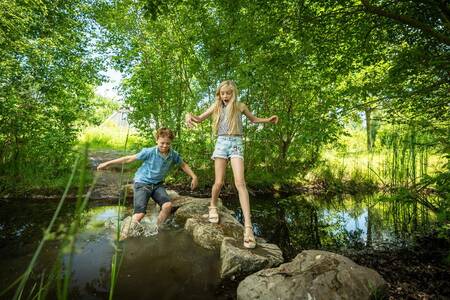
232,108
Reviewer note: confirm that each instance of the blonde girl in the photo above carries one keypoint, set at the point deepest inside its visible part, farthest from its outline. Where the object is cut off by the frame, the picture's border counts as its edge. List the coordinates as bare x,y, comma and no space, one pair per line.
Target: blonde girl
226,114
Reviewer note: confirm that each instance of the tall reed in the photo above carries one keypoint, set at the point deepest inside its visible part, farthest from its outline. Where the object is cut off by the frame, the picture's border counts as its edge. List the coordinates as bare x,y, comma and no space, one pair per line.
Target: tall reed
116,260
406,157
40,289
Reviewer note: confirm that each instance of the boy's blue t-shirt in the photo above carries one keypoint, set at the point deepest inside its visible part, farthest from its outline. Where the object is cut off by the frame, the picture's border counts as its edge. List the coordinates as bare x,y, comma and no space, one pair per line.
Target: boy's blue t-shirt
155,166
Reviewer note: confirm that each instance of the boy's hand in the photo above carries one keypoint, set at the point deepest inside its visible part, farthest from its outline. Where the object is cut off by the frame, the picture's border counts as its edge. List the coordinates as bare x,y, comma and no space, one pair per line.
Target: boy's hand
102,166
273,119
194,183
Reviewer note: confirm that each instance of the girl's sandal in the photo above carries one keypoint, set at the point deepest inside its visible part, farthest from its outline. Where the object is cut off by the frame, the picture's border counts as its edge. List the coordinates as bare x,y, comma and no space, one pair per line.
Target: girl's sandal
249,239
213,216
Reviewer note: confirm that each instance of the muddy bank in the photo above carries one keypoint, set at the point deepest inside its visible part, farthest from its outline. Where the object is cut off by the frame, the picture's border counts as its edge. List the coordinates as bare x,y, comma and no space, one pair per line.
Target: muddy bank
418,272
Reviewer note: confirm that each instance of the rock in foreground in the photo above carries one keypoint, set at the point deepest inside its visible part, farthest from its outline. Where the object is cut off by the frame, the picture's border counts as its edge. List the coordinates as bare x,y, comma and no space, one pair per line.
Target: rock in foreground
316,275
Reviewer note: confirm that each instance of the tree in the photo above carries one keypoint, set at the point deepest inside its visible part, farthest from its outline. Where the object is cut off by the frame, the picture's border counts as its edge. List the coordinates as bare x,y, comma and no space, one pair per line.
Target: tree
48,74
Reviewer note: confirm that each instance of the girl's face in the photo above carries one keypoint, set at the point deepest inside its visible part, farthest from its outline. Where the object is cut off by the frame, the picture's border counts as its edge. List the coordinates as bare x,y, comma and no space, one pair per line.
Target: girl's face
226,93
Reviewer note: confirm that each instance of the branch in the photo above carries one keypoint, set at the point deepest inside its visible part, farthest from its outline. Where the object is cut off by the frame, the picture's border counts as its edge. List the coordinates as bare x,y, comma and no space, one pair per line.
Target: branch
406,20
443,6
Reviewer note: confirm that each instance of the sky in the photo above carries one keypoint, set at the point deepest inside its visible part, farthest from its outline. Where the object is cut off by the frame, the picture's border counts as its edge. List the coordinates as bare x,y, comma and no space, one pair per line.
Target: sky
109,88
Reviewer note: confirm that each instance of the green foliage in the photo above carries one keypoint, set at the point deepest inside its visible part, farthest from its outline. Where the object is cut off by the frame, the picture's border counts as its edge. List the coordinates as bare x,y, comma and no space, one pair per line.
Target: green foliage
318,65
176,53
47,81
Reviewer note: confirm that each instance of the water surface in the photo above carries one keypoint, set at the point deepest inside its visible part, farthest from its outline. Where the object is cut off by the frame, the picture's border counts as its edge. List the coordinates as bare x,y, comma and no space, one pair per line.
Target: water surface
170,265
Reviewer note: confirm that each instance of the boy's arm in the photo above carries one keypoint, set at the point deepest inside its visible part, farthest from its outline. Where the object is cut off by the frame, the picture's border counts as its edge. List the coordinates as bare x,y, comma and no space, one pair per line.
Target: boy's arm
186,169
273,119
123,159
190,119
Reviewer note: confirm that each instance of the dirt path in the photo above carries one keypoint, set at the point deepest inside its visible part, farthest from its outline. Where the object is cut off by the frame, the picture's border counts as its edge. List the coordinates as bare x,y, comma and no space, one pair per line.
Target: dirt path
109,182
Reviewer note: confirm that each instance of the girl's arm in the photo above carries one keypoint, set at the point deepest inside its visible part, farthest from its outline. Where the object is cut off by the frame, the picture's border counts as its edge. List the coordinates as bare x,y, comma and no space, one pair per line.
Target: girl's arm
273,119
186,169
123,159
190,119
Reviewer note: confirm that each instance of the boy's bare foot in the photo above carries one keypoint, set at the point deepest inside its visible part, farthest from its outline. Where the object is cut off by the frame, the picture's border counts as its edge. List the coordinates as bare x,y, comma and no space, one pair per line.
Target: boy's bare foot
127,229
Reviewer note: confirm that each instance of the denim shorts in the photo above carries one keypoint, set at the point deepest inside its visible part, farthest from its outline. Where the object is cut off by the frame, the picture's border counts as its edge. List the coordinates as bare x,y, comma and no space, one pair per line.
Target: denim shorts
228,146
143,192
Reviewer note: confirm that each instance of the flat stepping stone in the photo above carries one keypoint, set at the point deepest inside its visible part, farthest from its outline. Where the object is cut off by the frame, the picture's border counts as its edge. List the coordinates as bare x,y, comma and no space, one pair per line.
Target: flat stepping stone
237,261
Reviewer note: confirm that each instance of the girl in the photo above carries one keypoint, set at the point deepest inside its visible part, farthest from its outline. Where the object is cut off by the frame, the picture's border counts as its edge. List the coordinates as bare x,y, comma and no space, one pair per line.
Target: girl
227,124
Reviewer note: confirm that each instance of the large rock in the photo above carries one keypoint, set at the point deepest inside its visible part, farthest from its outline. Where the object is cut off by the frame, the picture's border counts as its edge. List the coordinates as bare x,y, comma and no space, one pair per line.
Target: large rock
188,207
237,261
205,234
146,227
316,275
210,236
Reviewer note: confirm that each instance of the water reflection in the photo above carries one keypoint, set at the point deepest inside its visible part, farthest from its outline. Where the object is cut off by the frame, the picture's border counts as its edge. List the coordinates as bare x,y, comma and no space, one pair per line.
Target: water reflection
308,222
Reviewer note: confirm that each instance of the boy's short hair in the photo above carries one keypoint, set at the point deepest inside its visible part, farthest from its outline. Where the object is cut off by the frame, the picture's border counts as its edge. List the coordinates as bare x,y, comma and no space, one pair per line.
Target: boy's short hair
165,132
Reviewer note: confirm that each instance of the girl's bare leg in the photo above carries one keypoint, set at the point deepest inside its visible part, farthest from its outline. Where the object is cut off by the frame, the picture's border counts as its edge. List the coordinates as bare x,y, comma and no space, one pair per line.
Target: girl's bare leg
220,165
237,164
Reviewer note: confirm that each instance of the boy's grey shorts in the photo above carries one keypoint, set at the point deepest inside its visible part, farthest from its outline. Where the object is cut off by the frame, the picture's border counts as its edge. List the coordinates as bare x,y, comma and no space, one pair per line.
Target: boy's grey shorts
142,193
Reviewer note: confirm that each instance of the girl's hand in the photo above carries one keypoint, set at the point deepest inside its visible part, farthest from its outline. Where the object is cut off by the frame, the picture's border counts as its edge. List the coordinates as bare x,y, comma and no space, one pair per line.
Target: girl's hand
189,120
273,119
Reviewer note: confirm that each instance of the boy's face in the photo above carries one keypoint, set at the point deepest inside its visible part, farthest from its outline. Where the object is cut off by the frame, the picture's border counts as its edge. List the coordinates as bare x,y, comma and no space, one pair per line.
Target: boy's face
163,144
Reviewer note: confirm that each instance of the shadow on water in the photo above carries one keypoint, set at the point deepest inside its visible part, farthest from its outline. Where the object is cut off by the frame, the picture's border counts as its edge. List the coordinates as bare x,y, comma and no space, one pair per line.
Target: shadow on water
170,265
166,266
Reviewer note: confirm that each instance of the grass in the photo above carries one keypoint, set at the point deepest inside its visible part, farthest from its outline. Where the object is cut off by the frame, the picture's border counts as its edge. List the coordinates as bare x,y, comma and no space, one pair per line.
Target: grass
365,166
40,179
109,136
400,158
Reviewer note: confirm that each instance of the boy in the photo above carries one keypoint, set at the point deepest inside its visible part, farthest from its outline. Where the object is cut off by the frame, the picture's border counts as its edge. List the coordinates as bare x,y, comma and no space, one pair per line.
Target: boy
149,178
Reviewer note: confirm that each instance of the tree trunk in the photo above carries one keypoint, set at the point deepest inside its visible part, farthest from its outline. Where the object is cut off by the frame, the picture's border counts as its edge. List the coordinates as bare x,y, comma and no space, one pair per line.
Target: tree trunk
369,129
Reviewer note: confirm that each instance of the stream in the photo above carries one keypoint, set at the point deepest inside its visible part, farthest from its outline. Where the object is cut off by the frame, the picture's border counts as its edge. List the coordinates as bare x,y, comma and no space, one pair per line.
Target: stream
170,265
